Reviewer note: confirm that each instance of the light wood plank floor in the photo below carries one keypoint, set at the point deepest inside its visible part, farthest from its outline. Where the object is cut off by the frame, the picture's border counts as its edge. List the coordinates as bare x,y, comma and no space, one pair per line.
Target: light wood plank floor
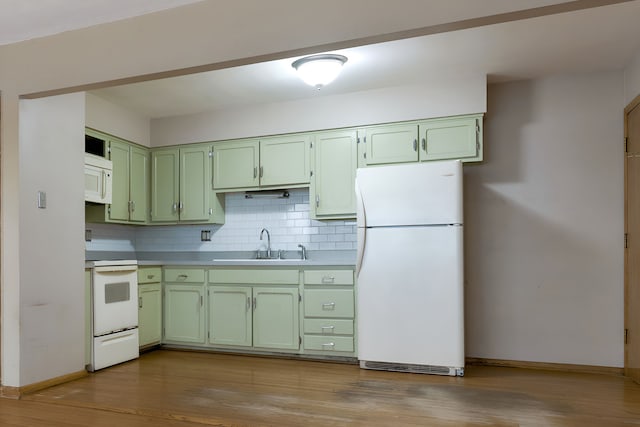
183,389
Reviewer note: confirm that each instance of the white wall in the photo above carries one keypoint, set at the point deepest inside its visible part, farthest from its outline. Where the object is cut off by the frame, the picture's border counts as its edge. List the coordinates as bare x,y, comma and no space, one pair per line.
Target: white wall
544,223
51,240
108,117
452,95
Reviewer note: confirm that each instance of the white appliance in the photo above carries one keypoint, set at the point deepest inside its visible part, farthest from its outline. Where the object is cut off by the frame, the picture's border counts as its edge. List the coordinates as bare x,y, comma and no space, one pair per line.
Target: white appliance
410,268
97,179
114,296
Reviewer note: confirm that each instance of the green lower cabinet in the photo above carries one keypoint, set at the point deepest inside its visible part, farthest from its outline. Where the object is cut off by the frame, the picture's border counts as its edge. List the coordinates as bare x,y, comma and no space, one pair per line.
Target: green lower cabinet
184,320
230,315
275,318
150,314
259,317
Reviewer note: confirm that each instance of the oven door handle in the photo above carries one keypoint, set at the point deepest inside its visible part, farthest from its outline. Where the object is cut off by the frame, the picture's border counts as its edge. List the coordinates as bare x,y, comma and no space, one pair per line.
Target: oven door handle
109,268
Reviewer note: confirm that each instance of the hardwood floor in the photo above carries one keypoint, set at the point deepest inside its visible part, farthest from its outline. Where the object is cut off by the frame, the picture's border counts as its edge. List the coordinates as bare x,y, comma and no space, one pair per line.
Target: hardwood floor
183,389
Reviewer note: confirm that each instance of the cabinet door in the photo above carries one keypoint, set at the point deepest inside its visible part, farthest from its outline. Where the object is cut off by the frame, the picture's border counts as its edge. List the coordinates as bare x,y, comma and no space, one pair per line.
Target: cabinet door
391,144
164,185
184,313
230,315
457,138
275,318
139,184
119,155
235,164
284,160
334,174
149,314
195,183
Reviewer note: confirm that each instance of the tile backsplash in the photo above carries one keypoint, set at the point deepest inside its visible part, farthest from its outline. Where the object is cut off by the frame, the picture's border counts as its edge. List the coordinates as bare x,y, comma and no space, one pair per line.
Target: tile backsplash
287,220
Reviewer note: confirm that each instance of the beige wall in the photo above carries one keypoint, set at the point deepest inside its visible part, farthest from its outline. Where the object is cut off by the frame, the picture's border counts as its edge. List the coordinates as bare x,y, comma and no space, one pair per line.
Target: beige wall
107,117
544,223
632,80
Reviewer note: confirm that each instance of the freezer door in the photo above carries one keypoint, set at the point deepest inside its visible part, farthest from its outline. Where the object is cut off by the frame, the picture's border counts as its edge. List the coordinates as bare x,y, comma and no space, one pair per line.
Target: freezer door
411,194
410,296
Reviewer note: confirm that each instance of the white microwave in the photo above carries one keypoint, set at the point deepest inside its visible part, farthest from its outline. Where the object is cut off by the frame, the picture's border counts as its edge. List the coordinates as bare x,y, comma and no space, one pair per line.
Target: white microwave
97,179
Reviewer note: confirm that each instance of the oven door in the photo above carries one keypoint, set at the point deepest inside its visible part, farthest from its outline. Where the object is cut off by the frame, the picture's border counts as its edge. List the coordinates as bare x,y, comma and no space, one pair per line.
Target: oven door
115,298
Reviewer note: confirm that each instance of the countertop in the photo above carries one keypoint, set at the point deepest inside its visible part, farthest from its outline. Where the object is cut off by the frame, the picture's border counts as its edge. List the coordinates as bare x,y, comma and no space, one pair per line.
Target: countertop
289,259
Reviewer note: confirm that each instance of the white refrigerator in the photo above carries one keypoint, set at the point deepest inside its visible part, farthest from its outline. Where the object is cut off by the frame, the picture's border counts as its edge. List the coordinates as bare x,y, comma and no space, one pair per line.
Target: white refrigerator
410,268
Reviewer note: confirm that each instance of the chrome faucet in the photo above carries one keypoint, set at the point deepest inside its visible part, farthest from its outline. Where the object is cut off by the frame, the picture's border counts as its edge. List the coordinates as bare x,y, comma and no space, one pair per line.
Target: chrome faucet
268,241
303,250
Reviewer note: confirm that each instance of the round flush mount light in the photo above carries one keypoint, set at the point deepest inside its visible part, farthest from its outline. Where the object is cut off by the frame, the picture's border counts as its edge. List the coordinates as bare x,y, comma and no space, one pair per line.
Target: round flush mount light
319,70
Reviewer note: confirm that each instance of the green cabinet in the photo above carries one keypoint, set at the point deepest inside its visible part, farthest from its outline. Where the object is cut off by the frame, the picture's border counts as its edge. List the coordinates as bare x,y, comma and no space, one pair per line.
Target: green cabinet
130,181
181,189
266,163
435,139
230,315
335,159
329,312
184,310
149,306
254,308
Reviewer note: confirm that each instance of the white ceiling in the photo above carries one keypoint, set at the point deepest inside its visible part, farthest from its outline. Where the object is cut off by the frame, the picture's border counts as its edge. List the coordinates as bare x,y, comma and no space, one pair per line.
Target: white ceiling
601,38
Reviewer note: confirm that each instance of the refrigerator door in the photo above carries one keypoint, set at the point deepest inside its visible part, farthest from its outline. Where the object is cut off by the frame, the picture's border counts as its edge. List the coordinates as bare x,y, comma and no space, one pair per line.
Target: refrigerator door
411,194
410,296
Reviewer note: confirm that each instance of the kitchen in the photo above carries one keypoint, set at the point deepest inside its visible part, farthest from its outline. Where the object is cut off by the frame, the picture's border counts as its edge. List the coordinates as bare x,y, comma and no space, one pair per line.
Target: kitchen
510,189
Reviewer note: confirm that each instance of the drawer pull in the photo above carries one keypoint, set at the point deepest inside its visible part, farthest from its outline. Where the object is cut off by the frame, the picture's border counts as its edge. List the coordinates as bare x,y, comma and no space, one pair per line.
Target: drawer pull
150,276
328,279
327,329
328,306
328,346
182,276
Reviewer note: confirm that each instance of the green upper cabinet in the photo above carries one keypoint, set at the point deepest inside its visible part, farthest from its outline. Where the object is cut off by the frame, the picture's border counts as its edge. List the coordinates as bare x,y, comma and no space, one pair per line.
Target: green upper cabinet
235,164
455,138
391,144
130,180
165,178
435,139
273,162
335,159
284,160
181,189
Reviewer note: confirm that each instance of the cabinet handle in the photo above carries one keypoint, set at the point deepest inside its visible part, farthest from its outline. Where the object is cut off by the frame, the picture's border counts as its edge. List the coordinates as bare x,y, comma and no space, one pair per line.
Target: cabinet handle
328,346
415,145
201,300
317,200
180,206
133,206
328,279
175,207
255,172
248,303
328,306
327,329
139,302
261,171
255,303
424,144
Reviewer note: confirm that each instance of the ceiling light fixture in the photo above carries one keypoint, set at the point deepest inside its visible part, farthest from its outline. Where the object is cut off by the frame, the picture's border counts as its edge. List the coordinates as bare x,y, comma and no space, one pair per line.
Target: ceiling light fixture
319,70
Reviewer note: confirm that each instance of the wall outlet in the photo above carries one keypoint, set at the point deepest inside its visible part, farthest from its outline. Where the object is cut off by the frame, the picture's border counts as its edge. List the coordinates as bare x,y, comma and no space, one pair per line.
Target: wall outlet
205,235
87,235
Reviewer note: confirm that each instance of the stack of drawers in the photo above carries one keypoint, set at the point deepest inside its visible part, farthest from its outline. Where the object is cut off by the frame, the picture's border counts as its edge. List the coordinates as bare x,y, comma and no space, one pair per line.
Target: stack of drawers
329,312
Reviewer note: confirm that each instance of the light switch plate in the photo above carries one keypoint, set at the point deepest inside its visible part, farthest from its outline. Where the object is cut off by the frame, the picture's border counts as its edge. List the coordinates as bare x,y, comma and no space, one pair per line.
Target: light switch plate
42,200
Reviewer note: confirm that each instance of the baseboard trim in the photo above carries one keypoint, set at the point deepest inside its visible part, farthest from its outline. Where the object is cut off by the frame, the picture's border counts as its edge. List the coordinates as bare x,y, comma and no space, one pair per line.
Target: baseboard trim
562,367
18,392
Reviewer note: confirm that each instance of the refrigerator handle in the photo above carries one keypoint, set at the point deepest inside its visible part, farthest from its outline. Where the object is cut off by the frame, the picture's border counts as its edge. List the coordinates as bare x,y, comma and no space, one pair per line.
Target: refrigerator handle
361,219
361,237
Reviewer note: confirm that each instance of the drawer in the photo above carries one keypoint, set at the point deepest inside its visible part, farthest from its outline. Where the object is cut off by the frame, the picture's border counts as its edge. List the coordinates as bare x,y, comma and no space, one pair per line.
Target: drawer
328,277
254,276
149,274
328,326
328,344
184,275
328,303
